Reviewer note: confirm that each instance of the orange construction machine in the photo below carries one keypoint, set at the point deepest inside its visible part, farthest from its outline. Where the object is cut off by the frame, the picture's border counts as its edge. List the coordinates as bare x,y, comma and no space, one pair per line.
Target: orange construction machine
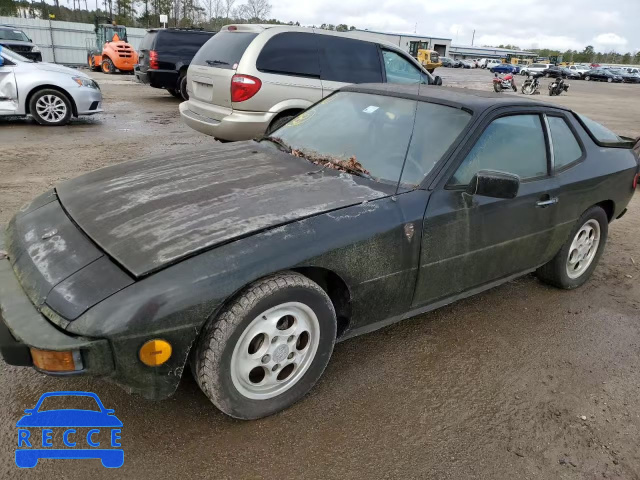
111,50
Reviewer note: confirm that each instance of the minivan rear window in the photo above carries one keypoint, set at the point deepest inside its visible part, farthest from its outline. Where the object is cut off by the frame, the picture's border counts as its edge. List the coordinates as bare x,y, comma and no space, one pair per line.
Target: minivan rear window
224,50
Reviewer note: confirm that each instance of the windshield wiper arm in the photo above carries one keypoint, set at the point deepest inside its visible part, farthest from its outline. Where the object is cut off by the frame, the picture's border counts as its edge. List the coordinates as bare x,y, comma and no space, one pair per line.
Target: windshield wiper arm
216,62
277,141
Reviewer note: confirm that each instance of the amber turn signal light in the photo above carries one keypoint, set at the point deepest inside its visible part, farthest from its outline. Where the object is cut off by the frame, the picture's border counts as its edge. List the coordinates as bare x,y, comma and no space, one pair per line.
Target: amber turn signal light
155,352
51,361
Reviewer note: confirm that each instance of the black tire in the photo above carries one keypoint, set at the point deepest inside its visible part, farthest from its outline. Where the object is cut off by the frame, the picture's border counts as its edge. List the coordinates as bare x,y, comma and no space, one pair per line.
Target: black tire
497,88
108,66
609,80
182,87
555,271
587,78
211,362
33,107
279,122
174,92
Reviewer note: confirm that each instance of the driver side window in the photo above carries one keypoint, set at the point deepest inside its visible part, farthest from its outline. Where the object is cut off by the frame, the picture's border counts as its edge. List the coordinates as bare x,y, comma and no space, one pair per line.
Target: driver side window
511,144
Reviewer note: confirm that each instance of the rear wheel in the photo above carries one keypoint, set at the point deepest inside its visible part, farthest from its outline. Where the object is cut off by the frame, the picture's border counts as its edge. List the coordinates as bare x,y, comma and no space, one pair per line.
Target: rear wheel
609,80
267,348
108,66
279,122
174,92
182,86
577,259
50,107
587,78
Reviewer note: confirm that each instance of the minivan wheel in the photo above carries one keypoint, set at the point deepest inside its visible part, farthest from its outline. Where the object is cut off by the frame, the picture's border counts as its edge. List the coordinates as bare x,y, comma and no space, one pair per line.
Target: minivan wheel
577,259
279,122
50,107
182,87
267,348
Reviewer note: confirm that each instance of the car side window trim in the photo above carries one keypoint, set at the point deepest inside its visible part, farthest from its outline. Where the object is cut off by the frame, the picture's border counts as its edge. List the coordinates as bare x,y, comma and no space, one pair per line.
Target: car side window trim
578,160
453,168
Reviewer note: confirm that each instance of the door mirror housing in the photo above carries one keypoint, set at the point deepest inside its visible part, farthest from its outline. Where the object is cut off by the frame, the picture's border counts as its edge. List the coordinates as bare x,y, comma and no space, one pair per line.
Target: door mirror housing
437,80
494,184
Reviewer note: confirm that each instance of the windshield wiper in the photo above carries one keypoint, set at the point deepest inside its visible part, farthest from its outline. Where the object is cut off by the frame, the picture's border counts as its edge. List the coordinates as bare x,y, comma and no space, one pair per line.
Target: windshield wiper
279,143
216,62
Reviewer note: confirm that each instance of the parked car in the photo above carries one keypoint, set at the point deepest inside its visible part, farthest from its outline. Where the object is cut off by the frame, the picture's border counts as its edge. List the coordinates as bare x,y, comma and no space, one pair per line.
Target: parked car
165,55
632,70
251,79
447,62
625,75
535,68
493,63
264,253
468,64
457,63
505,68
579,69
602,75
50,93
554,72
16,40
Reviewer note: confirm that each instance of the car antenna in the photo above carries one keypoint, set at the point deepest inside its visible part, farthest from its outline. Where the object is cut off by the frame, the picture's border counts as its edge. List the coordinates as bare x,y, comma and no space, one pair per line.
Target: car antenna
406,153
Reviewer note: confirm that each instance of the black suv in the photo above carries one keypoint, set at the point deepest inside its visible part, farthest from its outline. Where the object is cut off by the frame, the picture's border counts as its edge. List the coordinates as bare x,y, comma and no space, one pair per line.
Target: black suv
15,39
165,55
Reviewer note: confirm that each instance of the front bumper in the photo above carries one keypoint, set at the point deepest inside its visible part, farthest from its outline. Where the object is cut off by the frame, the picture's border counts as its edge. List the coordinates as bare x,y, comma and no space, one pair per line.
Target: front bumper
237,126
23,326
88,100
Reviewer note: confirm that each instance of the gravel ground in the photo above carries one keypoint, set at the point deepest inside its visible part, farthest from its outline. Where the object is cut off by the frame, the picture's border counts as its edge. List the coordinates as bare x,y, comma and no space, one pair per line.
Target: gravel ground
523,381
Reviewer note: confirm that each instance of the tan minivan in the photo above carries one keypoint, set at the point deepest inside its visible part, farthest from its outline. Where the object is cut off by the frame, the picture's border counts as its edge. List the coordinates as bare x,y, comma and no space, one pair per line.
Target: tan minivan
251,79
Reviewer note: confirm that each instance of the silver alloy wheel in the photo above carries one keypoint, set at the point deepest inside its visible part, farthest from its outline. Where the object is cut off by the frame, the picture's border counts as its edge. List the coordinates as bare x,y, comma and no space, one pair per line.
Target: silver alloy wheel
275,351
51,108
583,249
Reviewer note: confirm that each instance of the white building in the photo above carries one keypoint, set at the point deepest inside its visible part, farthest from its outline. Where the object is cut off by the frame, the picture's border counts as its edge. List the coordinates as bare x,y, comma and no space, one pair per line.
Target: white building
461,52
411,42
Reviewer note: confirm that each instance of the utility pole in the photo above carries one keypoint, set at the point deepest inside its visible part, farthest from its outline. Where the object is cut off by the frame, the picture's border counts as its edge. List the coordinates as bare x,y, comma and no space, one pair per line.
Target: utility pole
473,37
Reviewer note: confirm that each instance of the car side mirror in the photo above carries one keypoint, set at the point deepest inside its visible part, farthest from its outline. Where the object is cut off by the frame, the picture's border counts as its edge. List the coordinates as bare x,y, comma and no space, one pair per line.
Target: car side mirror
437,80
494,184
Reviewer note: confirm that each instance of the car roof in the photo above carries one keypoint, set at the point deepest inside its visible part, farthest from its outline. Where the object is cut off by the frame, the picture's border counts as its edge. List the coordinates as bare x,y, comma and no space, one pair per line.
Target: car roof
475,100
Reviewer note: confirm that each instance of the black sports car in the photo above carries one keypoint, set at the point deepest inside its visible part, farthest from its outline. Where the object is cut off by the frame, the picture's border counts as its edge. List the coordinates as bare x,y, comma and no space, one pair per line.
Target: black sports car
603,75
250,260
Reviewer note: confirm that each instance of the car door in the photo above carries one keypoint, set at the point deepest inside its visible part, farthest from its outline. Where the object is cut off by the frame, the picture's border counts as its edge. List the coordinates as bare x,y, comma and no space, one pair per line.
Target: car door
8,88
471,241
347,60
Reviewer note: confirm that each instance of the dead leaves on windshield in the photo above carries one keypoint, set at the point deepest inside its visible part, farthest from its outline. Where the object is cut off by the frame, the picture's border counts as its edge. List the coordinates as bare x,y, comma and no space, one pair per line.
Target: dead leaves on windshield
348,166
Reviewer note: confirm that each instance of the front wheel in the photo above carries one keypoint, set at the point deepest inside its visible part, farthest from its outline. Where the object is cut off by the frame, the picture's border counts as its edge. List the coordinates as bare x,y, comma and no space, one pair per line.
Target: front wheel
267,348
577,259
609,80
50,107
587,78
108,66
497,87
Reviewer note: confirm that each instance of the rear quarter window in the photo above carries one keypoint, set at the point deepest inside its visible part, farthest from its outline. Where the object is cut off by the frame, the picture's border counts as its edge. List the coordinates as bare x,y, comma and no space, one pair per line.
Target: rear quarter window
348,60
292,53
147,41
601,134
224,50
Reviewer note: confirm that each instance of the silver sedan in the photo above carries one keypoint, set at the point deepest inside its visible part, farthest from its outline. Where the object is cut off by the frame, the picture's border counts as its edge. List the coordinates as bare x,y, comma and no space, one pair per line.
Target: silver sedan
50,93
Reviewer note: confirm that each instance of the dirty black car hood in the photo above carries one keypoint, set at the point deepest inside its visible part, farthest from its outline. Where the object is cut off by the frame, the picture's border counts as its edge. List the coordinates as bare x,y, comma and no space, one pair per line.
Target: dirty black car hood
151,213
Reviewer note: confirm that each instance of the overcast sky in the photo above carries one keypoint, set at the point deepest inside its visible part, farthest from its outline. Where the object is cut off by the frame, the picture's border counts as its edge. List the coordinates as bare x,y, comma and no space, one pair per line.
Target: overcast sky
558,24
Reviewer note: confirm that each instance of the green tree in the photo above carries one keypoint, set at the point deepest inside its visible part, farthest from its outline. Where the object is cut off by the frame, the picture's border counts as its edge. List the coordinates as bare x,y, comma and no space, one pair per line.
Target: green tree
8,8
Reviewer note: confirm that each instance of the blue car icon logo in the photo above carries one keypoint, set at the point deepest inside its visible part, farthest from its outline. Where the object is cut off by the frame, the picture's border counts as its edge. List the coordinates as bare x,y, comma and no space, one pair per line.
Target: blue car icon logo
83,432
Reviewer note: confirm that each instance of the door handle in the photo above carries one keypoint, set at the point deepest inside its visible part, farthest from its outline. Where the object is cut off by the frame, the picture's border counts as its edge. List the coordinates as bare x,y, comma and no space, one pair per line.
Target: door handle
547,203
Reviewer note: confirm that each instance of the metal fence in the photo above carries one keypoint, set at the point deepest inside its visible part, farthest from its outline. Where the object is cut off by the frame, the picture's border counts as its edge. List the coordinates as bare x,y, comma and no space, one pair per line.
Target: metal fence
64,42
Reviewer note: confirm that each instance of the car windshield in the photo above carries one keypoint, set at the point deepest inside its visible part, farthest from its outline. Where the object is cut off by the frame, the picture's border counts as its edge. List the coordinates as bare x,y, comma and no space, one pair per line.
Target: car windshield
69,402
10,34
369,135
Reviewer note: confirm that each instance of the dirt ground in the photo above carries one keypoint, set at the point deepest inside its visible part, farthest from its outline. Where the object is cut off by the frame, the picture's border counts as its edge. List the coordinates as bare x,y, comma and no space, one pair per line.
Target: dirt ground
523,381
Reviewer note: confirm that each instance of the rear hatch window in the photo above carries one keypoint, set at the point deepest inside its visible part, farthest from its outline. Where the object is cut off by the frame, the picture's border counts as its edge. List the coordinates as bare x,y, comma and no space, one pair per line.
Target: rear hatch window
224,50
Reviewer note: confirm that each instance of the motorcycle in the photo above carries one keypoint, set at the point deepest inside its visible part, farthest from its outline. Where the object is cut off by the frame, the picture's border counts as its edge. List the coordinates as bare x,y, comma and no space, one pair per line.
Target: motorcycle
531,84
506,82
558,86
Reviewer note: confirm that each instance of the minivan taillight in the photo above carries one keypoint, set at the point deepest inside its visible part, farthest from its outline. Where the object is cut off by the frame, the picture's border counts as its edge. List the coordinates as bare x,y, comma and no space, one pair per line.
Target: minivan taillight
153,60
243,87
